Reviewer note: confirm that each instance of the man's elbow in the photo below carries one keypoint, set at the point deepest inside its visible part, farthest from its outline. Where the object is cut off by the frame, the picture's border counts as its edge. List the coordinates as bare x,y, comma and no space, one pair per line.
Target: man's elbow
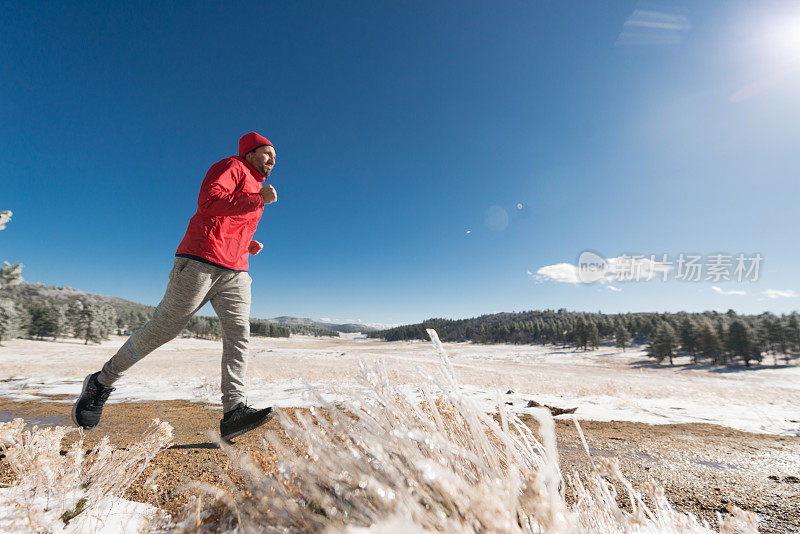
213,206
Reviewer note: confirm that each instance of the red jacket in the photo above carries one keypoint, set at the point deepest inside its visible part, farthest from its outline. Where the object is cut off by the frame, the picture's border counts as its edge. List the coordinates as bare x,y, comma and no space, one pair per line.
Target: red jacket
228,210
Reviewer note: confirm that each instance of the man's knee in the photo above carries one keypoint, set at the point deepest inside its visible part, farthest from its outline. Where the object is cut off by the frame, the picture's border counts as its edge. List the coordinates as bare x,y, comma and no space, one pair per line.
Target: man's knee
162,328
237,329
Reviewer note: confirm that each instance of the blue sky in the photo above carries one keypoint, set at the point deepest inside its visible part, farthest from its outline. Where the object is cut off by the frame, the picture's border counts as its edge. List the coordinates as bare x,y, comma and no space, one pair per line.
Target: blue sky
619,127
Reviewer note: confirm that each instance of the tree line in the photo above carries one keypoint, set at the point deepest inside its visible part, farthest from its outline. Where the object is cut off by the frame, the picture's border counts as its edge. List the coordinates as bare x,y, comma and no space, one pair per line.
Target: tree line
92,320
36,311
708,337
262,327
82,319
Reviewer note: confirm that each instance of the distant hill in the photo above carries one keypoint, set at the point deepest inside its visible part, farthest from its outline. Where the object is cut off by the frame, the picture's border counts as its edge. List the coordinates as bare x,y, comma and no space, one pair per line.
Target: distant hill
68,294
347,328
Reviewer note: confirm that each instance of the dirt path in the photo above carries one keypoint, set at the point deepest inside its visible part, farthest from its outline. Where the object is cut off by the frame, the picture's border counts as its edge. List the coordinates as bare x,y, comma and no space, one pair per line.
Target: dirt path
703,468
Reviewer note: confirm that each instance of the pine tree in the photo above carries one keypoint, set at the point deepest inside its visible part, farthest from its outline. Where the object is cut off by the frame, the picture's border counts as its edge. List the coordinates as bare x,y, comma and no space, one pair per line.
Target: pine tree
214,330
136,320
86,323
741,342
46,320
581,334
594,335
663,343
779,335
10,275
690,336
772,335
10,320
91,321
622,336
793,331
73,317
107,320
5,217
722,334
710,345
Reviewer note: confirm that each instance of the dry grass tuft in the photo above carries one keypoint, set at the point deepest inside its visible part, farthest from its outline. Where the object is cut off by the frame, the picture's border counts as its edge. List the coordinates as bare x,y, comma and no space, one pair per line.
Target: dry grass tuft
50,484
384,463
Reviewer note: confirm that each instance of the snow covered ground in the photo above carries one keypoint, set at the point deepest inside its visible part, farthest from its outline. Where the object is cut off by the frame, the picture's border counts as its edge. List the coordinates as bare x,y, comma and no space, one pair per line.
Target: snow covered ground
605,384
22,514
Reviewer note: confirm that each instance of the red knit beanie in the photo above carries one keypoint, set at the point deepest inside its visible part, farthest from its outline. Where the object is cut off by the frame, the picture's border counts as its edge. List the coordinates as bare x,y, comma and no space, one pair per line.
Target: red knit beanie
251,140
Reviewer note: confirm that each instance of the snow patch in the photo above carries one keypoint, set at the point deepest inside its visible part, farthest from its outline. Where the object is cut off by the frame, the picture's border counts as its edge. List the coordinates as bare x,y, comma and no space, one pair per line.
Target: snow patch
21,513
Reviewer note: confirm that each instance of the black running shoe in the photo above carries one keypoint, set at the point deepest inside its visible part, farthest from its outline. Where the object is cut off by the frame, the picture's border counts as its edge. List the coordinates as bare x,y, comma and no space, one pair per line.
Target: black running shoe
243,419
87,410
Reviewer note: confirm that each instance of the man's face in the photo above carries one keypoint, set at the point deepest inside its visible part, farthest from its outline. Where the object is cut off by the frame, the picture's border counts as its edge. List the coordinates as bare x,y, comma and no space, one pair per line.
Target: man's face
263,159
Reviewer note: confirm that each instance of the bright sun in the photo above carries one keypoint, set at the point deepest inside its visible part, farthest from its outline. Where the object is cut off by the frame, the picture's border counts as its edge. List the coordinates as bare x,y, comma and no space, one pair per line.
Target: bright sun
782,38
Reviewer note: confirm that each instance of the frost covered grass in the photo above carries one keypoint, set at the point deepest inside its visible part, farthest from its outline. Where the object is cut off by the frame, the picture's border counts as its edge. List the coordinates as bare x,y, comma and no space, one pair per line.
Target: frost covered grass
76,491
379,462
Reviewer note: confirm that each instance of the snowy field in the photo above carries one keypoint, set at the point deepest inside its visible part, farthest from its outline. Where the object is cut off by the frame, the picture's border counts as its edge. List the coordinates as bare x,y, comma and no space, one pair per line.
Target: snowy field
605,384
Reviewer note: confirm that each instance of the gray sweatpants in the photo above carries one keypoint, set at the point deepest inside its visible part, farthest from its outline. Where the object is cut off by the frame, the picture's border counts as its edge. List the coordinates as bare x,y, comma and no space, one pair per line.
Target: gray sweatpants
192,283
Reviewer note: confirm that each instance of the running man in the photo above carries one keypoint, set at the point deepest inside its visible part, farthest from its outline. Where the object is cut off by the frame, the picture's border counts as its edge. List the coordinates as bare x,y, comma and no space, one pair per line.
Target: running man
210,266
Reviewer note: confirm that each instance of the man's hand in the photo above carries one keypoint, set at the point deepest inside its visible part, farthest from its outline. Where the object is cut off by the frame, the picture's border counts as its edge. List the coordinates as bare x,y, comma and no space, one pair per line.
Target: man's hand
255,247
268,194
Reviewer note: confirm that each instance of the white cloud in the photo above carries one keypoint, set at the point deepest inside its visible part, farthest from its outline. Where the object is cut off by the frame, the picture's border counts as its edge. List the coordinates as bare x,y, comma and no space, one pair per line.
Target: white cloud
653,27
778,293
731,292
561,272
612,288
325,319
